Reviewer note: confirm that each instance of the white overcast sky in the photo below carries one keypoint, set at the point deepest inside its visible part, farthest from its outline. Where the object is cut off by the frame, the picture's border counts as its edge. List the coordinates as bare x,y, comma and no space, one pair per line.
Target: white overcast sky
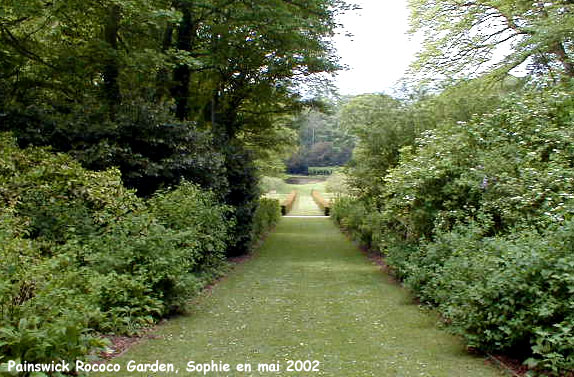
379,51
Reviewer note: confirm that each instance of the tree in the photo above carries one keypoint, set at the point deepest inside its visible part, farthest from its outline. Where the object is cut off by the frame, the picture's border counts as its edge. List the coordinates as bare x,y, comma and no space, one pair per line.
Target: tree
322,140
383,125
259,52
465,37
168,89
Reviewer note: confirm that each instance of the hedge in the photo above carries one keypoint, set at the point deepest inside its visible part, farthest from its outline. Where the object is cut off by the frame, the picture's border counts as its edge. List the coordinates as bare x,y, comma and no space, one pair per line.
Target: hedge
321,202
288,202
266,217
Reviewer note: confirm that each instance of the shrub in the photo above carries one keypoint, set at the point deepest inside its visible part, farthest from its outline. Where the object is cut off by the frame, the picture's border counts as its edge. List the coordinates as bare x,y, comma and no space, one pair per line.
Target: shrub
45,307
243,194
337,184
288,202
323,204
509,169
142,141
81,254
266,217
477,219
269,184
57,196
510,294
359,219
199,220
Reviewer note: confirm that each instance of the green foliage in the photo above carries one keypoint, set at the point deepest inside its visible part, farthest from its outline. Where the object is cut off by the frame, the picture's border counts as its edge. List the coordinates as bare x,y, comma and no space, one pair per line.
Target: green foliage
242,195
382,126
322,142
202,225
42,318
81,254
492,36
337,184
150,148
266,216
56,196
510,294
164,91
476,218
359,219
154,95
507,169
269,184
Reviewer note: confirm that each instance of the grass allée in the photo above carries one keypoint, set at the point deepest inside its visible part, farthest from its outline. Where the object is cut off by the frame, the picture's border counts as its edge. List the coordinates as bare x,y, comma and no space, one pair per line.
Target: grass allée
309,294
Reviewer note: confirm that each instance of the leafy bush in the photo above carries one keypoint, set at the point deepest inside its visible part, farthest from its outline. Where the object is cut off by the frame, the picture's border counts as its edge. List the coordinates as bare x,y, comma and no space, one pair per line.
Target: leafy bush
200,222
505,170
143,141
477,219
361,220
337,184
81,254
46,307
510,294
384,125
267,215
58,198
243,195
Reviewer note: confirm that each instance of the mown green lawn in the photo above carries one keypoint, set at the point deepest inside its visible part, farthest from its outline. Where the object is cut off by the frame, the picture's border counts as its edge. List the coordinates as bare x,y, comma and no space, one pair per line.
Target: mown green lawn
309,294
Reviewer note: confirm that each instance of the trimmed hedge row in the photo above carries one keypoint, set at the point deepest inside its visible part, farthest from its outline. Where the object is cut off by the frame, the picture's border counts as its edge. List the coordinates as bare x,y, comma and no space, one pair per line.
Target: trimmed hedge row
288,202
323,204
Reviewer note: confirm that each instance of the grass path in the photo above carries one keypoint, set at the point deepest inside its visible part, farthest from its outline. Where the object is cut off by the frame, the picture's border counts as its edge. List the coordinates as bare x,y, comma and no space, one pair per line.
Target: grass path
309,294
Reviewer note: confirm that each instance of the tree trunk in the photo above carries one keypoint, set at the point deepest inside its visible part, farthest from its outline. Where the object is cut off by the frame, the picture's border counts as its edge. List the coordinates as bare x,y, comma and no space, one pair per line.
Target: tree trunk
182,73
162,79
111,69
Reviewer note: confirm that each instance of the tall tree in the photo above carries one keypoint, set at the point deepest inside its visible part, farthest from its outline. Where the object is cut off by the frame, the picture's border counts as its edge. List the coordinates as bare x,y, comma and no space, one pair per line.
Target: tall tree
137,83
467,37
182,73
261,50
111,70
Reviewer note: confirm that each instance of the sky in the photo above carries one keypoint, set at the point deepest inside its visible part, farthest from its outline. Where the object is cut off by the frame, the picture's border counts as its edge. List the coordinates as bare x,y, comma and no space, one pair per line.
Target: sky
379,51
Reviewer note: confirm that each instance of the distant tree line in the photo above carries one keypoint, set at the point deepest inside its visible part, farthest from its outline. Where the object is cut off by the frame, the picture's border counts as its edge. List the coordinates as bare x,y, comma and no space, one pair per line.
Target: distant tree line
322,141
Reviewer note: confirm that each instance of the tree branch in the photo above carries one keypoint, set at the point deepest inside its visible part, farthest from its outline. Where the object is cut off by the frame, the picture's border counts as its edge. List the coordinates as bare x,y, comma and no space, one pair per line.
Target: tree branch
15,43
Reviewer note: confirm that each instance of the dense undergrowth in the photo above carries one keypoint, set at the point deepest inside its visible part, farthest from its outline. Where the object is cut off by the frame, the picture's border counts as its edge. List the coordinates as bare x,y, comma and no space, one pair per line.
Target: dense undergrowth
476,218
83,256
